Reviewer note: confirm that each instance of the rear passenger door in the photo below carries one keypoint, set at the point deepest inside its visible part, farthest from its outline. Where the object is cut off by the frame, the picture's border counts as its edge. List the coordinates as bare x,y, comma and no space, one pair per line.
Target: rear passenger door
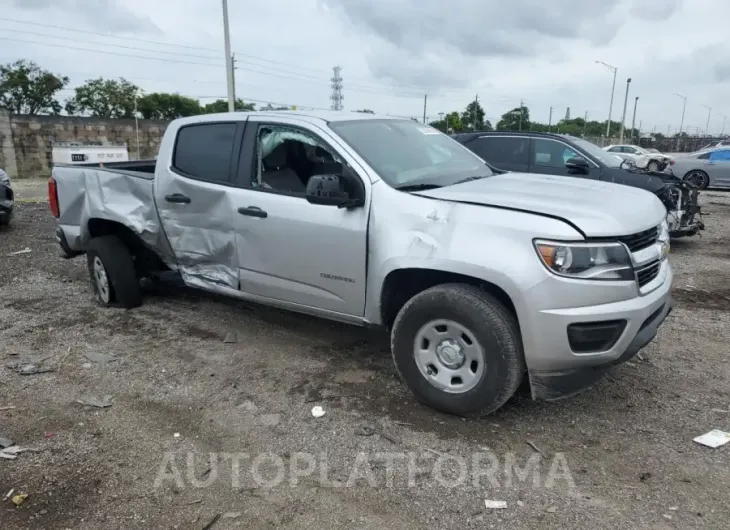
549,156
718,167
192,192
509,153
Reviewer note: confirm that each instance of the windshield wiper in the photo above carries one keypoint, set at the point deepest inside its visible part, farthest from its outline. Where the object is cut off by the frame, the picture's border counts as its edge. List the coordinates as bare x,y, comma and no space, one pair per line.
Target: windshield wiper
467,179
418,187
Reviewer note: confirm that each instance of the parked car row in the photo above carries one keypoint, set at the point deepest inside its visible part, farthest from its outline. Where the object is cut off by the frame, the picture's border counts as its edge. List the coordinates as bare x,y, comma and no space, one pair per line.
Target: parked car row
482,278
556,154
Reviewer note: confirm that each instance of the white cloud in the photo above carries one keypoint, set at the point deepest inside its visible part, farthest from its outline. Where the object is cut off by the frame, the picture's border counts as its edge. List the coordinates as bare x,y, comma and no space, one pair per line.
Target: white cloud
394,51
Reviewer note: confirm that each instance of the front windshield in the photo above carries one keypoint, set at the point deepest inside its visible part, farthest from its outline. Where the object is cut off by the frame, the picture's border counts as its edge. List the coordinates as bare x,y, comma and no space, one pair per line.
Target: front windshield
596,152
408,153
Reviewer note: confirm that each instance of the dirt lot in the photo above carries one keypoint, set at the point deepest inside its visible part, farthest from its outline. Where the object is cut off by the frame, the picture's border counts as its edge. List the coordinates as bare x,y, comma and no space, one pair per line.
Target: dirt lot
186,401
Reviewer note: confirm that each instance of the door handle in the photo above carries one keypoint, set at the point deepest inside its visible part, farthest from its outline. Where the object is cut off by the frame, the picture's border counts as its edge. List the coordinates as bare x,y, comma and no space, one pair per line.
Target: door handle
253,211
178,198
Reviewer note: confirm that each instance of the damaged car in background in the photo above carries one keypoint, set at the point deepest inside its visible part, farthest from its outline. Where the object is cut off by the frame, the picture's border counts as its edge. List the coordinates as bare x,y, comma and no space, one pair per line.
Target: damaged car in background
649,159
561,154
7,198
481,279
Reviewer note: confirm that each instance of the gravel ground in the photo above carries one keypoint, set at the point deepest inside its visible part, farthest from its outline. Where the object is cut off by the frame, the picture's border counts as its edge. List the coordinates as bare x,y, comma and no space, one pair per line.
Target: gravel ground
194,416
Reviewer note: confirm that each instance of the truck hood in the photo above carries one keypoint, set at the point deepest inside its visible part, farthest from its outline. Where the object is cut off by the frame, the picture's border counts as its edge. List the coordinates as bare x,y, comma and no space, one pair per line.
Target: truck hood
598,209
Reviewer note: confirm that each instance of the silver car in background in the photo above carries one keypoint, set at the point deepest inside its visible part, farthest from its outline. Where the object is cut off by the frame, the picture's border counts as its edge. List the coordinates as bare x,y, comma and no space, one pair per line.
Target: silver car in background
709,168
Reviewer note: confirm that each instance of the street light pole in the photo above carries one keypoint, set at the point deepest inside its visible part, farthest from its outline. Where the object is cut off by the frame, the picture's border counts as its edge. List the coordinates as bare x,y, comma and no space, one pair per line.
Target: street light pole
613,88
623,116
681,123
709,112
723,124
229,61
633,120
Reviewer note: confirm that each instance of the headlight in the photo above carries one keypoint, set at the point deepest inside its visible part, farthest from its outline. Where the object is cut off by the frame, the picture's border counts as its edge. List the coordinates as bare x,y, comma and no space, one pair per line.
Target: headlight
587,261
664,237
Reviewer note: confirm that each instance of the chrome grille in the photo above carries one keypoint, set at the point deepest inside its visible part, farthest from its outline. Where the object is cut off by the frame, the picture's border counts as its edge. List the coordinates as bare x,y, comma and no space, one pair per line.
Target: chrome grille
641,240
647,273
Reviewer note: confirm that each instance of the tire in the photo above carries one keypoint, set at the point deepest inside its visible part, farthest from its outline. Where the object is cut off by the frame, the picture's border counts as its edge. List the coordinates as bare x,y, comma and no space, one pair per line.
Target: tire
487,324
653,166
697,178
109,258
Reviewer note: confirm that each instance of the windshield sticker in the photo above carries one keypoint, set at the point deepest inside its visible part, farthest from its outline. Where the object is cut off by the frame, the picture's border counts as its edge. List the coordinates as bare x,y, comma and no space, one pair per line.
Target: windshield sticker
429,130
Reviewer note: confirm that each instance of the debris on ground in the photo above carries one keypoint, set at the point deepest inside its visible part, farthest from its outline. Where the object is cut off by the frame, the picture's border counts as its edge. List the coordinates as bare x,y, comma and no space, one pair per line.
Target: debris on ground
7,408
230,338
366,429
100,358
494,505
317,411
714,439
248,406
29,367
100,403
26,250
9,494
212,522
20,499
270,420
176,435
536,448
10,453
5,442
551,509
232,515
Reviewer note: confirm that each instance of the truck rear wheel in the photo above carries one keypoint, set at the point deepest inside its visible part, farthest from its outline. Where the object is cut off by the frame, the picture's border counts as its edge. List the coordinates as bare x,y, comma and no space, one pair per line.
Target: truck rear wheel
112,272
458,349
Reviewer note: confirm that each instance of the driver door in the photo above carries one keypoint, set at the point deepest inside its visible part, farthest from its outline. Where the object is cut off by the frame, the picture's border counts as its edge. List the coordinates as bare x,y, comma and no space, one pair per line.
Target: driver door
290,250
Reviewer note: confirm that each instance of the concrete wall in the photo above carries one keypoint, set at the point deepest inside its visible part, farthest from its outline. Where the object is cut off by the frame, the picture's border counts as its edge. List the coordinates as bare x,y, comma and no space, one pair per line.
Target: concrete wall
26,141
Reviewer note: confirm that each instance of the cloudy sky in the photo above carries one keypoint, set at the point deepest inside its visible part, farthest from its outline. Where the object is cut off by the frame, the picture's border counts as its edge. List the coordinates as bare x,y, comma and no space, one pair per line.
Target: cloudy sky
392,52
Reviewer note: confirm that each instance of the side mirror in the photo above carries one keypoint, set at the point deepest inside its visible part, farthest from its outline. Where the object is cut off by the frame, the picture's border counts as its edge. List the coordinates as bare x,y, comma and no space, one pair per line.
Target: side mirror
578,164
328,190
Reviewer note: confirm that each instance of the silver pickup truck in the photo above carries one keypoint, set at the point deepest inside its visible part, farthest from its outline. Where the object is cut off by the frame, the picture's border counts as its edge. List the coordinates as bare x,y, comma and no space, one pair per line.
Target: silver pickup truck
376,221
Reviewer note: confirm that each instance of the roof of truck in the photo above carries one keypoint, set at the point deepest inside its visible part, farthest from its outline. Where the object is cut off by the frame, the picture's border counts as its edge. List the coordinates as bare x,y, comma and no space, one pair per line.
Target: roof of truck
309,115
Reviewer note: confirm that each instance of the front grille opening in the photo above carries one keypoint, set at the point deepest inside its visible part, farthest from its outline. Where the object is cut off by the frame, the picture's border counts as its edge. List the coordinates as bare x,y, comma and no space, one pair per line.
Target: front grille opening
594,337
642,240
648,273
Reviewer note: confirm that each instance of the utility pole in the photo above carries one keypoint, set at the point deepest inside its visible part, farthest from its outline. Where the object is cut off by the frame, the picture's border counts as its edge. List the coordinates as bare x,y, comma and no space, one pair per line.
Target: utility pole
520,126
550,120
633,120
681,123
638,139
585,124
613,88
476,103
136,122
229,62
441,119
709,112
425,97
623,116
723,124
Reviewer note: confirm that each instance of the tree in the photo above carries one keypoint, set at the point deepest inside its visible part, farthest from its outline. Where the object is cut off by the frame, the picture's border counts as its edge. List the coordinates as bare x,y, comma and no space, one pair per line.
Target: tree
25,88
163,106
473,118
104,98
269,106
221,105
515,120
366,111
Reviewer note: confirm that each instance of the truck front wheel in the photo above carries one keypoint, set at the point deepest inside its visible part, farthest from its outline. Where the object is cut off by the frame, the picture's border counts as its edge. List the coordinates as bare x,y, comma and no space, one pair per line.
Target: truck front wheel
112,272
458,349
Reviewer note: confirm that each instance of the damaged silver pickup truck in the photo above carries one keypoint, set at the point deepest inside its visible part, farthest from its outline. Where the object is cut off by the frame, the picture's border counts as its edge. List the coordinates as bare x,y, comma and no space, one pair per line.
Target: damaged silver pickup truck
375,221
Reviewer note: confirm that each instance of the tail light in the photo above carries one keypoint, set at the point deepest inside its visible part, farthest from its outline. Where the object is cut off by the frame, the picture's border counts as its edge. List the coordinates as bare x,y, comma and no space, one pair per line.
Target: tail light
671,161
53,197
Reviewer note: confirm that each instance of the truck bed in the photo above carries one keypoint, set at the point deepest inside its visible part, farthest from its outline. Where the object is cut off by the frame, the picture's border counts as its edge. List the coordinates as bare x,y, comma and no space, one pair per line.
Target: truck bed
139,166
119,192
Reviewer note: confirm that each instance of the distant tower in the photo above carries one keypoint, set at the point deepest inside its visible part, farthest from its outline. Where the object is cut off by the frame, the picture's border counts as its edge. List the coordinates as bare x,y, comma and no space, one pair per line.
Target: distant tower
336,96
567,114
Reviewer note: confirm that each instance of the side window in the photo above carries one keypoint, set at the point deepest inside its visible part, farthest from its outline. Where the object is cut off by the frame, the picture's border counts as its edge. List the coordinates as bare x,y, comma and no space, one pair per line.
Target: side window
630,150
704,156
549,153
720,155
204,151
614,150
504,150
286,157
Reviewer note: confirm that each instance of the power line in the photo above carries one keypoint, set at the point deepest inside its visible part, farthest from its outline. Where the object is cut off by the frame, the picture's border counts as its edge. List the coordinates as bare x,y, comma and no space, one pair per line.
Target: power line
248,56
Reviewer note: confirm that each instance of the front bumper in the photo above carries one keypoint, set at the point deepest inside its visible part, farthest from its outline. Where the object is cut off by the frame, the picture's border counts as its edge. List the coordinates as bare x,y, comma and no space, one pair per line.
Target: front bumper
555,370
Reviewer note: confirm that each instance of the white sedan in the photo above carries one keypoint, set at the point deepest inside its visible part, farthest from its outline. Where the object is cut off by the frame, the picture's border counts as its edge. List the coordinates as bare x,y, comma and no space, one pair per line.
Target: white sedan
649,159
